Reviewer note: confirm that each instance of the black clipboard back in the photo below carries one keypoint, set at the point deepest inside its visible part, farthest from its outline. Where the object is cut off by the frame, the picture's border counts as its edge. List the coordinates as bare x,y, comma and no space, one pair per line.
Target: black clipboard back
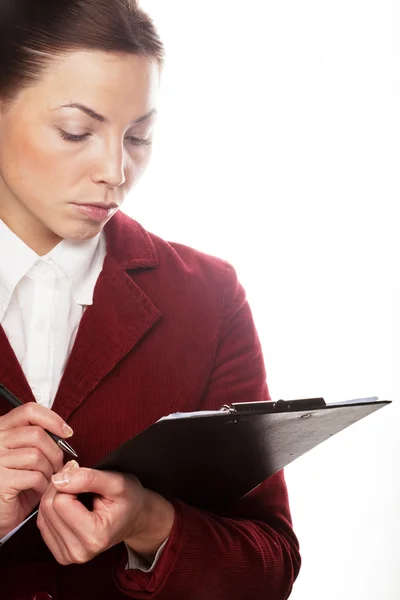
211,459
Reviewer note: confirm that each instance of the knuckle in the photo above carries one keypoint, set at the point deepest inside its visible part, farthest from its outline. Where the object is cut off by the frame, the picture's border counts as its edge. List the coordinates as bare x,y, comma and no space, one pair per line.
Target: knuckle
96,545
47,503
33,455
79,556
60,501
120,486
88,476
30,409
36,433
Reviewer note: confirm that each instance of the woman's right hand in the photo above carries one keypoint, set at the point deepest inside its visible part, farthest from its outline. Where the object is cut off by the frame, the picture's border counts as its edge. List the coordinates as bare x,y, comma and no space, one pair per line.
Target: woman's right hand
28,459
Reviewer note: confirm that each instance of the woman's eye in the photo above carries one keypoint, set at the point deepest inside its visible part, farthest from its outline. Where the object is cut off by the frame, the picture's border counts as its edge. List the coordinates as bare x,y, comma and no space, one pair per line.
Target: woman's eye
71,137
138,141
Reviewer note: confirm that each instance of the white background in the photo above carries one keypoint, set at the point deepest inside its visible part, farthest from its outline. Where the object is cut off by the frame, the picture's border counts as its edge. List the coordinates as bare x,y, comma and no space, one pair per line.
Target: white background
278,149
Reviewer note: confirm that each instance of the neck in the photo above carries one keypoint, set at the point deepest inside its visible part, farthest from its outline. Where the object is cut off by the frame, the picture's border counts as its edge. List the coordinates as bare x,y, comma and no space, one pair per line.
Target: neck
31,231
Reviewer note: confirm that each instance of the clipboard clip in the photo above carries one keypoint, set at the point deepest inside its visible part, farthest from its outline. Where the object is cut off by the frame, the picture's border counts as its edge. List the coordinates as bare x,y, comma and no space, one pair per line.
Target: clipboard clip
279,406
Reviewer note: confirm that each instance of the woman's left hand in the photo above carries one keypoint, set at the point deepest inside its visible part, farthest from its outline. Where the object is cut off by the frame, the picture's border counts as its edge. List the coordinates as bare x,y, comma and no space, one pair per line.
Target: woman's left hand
123,511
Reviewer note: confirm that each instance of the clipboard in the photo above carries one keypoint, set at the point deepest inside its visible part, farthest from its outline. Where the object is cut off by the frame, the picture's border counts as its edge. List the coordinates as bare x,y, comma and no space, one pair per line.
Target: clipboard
210,459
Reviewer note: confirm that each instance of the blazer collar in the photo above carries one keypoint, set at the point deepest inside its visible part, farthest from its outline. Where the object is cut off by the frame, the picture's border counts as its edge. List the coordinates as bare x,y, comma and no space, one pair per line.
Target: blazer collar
129,245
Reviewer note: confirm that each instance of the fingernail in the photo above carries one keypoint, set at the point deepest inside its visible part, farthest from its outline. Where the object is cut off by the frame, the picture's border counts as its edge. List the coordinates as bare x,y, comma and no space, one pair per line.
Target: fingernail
61,478
67,431
72,464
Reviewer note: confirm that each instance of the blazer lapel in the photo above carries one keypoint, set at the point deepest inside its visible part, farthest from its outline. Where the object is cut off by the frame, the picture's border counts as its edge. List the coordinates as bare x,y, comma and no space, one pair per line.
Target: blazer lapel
121,314
11,373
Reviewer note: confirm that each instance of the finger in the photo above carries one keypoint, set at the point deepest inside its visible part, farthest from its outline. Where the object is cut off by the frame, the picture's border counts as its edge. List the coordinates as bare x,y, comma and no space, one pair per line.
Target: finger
52,503
51,541
103,483
47,521
33,437
32,413
69,541
51,491
28,459
18,480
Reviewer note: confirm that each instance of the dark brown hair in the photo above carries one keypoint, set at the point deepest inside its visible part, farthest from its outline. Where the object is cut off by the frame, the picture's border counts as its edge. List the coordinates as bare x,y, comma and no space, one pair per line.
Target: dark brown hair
34,31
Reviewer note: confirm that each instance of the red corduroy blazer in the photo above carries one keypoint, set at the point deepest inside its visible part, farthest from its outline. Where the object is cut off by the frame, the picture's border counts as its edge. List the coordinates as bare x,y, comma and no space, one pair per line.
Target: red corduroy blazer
169,330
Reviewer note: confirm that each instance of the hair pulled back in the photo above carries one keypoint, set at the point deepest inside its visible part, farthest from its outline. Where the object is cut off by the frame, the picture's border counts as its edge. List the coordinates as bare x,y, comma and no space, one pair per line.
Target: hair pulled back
33,32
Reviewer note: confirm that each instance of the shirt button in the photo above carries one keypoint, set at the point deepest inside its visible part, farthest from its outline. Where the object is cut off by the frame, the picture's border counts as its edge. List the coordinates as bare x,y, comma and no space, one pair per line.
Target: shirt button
41,596
39,398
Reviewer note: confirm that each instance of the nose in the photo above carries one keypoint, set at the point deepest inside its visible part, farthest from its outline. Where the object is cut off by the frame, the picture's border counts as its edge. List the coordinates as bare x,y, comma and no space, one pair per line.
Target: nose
110,168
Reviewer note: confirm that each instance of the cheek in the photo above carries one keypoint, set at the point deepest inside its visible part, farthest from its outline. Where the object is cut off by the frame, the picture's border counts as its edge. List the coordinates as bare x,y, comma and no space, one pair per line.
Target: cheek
32,168
43,163
138,165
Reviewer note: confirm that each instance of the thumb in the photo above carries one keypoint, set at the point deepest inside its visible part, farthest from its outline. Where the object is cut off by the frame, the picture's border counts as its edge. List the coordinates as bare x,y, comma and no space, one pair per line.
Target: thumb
77,480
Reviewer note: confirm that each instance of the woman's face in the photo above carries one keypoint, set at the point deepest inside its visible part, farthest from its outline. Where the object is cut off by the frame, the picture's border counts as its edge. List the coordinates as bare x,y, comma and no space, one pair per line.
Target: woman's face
64,172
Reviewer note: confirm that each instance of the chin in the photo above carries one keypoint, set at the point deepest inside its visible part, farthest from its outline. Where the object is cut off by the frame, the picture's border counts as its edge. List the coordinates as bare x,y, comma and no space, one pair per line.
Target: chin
81,232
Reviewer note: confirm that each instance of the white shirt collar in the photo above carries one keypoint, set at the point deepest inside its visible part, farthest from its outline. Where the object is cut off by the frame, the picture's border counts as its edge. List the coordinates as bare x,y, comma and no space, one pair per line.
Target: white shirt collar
80,261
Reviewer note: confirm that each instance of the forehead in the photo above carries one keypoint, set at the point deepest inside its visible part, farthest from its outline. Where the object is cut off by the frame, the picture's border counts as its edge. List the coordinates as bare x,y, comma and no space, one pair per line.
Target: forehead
117,85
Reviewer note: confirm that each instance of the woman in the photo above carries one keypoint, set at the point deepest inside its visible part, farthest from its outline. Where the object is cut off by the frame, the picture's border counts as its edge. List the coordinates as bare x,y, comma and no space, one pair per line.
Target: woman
105,328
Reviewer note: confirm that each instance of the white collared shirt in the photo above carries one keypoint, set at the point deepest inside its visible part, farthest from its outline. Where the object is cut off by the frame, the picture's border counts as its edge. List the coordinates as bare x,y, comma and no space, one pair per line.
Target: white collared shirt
42,300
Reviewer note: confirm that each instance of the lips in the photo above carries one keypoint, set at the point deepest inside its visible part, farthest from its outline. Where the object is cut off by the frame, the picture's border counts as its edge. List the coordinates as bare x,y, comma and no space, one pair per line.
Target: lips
96,212
99,205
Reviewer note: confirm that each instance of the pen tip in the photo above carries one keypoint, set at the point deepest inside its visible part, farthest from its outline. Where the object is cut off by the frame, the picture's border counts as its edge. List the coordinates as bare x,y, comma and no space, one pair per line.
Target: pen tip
67,448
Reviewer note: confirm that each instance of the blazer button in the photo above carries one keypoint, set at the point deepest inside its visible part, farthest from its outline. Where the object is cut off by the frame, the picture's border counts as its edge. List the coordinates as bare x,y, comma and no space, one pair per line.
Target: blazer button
41,596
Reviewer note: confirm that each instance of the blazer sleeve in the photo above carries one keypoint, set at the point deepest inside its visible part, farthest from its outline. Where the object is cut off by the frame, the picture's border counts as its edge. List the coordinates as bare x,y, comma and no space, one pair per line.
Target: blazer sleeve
252,551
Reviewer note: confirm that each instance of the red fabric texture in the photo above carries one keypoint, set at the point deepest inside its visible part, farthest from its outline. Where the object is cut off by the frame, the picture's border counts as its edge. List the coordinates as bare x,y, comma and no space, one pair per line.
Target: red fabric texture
169,330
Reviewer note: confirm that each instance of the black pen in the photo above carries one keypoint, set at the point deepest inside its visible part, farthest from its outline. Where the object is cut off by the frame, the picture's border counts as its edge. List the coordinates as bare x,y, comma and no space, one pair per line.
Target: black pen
13,400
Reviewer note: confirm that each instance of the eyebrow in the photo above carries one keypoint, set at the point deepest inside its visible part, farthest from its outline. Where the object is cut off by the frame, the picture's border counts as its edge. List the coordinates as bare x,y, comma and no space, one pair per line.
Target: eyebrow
95,115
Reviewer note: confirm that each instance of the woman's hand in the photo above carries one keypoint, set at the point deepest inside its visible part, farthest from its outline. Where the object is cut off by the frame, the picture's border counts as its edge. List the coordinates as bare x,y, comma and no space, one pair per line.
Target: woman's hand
28,459
123,511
